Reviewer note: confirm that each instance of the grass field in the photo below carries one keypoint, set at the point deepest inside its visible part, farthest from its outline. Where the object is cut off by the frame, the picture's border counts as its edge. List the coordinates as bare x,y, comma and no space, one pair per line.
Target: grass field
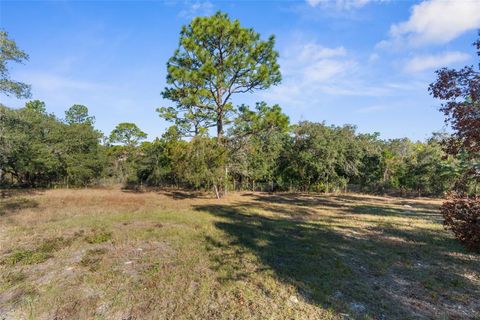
111,254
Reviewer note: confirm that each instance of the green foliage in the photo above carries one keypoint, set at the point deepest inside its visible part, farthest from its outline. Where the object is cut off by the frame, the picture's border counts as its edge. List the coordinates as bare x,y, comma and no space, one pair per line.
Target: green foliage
124,158
155,165
263,120
260,152
201,163
78,114
31,155
39,150
256,142
318,157
36,106
216,59
83,156
427,170
127,134
10,52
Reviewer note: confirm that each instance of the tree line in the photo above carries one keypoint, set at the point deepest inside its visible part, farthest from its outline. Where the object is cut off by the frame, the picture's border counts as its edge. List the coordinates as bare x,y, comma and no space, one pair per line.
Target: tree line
253,147
261,150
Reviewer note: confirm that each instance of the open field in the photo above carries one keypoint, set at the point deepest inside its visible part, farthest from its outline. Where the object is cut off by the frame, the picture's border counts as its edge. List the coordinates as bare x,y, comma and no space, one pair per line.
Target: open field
110,254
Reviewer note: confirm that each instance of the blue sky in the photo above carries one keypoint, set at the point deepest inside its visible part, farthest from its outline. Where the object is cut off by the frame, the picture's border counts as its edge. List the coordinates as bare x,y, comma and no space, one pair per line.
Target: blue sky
361,62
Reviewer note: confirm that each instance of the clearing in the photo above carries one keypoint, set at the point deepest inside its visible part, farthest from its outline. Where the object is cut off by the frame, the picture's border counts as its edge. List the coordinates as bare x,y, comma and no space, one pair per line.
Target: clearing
113,254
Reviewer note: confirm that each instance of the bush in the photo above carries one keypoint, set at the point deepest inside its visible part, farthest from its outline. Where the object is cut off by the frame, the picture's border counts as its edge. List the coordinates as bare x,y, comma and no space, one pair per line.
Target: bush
462,216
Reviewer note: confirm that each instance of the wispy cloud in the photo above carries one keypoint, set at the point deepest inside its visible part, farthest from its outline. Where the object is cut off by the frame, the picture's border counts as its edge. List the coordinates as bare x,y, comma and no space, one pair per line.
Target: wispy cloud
111,103
313,62
314,51
434,22
312,71
196,8
339,4
308,68
54,83
429,62
373,109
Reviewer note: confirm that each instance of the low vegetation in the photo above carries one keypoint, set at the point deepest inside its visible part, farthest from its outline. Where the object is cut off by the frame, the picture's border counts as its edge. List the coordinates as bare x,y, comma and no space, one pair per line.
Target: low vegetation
36,255
114,254
141,253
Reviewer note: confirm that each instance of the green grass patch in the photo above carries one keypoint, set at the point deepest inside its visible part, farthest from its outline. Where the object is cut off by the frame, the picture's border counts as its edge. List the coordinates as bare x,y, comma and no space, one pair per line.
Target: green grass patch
38,255
26,257
98,236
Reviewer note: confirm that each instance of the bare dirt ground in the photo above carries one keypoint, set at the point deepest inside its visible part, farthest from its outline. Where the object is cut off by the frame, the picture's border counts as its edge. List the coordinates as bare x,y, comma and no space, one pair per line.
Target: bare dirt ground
112,254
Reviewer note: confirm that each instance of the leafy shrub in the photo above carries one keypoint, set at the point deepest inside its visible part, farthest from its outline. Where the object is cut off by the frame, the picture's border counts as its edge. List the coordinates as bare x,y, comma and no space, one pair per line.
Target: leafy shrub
462,217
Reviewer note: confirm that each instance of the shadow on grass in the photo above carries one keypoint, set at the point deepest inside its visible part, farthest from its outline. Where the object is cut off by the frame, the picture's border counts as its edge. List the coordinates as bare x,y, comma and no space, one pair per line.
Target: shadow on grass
297,199
390,273
15,204
377,210
10,193
180,195
354,204
172,193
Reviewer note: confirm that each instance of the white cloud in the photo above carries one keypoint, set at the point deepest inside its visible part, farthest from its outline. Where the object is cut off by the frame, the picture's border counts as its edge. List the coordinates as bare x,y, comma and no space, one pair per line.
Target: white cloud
312,50
426,62
339,4
306,68
313,62
315,75
312,71
435,21
196,8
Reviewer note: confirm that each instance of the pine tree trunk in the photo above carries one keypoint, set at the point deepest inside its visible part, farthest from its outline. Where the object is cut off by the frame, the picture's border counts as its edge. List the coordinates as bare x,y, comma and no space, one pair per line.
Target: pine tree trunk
219,127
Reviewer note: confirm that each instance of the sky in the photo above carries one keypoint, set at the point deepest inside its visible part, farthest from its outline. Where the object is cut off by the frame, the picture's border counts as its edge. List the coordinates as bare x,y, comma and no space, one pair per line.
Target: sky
361,62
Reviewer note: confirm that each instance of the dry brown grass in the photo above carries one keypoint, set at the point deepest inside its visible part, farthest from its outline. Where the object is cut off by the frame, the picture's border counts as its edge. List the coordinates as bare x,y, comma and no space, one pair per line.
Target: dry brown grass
112,254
